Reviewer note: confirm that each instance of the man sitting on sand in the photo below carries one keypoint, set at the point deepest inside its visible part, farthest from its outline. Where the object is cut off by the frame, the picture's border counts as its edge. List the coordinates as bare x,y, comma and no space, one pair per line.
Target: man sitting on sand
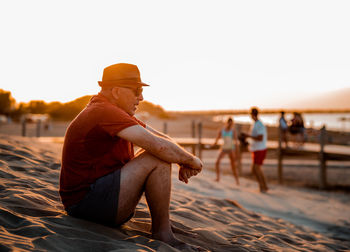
258,149
101,179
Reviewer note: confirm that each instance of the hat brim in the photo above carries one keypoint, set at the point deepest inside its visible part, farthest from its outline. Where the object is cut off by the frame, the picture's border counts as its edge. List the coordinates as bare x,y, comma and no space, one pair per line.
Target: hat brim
123,83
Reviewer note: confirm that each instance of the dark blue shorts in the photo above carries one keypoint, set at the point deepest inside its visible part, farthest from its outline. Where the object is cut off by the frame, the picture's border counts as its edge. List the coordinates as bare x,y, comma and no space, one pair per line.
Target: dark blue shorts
100,204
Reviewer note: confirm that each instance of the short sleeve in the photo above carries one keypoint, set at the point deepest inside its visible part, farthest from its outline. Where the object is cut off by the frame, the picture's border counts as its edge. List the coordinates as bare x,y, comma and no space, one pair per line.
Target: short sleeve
115,120
140,122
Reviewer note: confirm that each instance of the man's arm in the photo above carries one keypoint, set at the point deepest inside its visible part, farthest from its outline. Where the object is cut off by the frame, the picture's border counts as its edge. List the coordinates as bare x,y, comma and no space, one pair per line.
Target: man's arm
256,138
160,146
258,129
157,133
217,138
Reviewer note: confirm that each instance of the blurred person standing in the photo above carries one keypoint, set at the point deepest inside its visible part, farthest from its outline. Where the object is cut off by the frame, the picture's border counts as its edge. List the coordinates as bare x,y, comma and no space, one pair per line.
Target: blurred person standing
258,148
283,128
229,136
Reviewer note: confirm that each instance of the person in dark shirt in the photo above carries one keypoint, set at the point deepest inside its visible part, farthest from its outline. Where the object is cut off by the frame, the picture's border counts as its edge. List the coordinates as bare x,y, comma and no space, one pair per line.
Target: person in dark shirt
297,129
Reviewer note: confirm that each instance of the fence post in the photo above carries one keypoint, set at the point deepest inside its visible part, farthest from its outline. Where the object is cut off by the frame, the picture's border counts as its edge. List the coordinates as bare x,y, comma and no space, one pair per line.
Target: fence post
38,127
24,127
193,136
165,127
238,151
280,155
200,140
323,171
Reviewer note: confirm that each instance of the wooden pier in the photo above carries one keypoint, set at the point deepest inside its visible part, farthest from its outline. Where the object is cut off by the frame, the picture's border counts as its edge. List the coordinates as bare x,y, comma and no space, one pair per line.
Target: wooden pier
321,151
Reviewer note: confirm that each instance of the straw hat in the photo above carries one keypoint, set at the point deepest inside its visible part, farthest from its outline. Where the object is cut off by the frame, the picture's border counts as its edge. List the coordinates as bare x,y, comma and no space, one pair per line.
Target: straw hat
123,75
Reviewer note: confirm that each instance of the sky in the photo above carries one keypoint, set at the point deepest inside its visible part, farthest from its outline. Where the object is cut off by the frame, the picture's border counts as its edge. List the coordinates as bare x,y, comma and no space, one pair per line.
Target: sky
196,55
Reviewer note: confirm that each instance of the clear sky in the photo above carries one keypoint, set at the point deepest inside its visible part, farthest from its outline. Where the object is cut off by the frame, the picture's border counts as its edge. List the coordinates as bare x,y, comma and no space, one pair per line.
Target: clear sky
195,54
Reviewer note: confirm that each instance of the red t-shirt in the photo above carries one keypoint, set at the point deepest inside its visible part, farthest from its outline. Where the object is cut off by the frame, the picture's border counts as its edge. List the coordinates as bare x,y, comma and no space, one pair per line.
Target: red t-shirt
92,148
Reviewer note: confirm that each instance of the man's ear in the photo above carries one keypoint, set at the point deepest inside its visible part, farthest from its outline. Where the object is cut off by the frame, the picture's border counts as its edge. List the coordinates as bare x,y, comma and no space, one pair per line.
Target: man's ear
115,92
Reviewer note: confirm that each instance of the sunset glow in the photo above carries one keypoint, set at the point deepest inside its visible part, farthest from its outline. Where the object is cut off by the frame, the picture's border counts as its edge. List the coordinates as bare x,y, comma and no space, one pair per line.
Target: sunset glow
197,55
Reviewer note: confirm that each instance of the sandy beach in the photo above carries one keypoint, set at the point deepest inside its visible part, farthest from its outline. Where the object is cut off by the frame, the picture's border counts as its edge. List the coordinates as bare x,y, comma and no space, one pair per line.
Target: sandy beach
260,88
215,216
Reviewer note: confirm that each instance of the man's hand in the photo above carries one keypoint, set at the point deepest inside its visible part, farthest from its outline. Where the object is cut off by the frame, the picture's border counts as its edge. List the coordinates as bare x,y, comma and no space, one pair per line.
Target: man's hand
196,164
187,171
244,134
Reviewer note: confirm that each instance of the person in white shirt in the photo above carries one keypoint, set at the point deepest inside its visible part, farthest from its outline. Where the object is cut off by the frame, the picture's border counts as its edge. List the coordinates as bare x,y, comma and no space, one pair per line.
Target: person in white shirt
258,148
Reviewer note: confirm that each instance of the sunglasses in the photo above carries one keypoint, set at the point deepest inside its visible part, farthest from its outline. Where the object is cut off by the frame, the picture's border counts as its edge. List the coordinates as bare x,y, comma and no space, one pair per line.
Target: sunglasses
137,91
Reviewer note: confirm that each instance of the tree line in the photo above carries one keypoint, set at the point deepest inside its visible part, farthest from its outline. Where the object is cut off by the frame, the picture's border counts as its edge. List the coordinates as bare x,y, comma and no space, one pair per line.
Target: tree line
60,111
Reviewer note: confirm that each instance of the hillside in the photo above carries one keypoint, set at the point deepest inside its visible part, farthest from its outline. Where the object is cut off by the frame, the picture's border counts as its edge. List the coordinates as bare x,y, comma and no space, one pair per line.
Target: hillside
339,99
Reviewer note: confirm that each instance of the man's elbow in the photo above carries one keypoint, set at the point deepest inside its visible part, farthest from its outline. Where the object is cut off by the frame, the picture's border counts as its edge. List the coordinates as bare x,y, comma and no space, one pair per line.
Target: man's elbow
161,148
157,146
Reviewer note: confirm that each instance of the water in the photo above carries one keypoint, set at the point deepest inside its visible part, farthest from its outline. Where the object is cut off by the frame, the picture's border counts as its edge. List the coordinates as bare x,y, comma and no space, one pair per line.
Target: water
333,121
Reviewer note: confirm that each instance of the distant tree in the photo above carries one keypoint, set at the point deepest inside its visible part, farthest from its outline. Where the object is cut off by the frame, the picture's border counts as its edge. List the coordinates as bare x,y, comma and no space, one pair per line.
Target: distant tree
152,109
68,111
37,107
7,102
20,109
62,111
52,106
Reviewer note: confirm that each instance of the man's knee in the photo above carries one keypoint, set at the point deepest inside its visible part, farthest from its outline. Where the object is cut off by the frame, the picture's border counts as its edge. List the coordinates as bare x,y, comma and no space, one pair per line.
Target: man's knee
153,161
257,167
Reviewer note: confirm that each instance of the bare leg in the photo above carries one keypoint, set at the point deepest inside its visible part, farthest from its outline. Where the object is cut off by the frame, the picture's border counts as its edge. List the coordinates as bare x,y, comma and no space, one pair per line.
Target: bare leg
252,172
256,175
263,179
217,165
150,174
233,166
260,178
157,191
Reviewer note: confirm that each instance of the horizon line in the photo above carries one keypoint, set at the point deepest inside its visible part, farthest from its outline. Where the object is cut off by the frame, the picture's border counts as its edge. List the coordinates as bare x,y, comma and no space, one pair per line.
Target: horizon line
261,111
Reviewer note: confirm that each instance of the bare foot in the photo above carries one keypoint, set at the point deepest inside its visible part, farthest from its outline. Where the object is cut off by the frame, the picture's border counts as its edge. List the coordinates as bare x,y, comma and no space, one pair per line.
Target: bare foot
176,243
183,232
189,247
217,180
264,190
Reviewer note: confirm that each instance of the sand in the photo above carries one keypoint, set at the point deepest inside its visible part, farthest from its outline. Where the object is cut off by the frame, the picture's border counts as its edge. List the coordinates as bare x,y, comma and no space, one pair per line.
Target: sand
215,216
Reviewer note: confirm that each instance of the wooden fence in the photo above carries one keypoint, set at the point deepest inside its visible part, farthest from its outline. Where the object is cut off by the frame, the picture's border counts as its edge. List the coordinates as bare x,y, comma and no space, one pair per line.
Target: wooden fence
318,151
